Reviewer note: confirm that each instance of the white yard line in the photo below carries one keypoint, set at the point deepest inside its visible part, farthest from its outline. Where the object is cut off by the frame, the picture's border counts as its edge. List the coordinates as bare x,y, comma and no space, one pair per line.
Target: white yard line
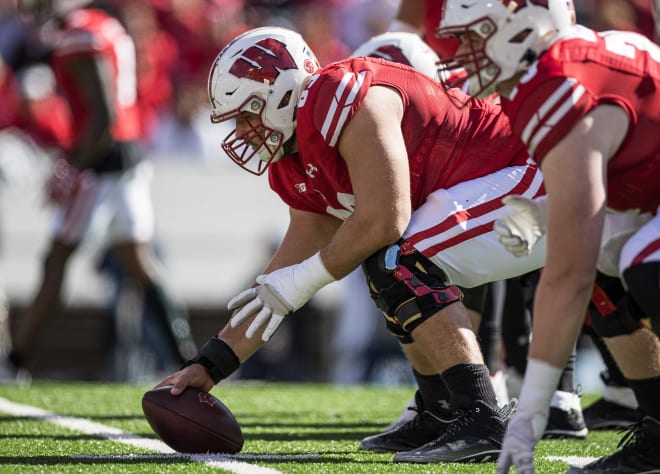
97,429
572,460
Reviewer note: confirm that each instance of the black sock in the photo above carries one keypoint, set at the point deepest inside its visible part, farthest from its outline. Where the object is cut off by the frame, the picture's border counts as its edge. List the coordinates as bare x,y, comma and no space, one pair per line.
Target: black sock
434,394
646,392
468,383
489,330
567,379
515,326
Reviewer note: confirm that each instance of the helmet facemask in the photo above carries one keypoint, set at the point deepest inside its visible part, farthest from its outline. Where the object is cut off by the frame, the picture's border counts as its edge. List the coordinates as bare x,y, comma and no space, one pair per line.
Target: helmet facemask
258,140
511,35
470,69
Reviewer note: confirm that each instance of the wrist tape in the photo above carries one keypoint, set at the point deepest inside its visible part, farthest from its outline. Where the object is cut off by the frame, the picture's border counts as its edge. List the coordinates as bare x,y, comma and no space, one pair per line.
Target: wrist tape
217,358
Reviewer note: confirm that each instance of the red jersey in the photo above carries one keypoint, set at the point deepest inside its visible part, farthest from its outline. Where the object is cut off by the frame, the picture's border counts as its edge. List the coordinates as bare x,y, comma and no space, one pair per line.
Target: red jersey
445,146
575,76
94,33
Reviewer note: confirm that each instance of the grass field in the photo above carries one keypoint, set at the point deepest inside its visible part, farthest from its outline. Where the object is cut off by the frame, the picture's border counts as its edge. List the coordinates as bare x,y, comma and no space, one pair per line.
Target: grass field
289,428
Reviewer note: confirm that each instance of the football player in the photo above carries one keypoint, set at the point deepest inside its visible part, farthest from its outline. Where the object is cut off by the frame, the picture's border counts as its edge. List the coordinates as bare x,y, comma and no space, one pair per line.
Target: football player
587,106
408,431
421,17
103,183
378,170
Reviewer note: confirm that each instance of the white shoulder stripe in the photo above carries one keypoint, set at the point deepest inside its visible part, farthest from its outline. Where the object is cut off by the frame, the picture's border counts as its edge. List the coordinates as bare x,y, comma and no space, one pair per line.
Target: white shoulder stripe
339,111
547,105
556,118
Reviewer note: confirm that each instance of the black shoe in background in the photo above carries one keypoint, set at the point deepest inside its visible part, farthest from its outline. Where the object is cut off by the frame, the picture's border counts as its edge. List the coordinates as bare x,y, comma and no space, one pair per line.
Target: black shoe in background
638,453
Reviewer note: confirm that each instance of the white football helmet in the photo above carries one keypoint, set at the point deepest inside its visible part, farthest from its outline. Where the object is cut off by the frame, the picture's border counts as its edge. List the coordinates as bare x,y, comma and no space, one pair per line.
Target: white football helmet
402,47
262,72
514,33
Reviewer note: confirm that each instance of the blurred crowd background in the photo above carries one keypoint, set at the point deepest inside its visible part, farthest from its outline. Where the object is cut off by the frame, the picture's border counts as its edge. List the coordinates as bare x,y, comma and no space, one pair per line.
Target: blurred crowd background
216,224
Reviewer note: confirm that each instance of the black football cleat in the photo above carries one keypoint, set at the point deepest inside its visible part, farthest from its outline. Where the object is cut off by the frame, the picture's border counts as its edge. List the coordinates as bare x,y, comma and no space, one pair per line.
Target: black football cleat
638,453
475,436
565,418
606,415
420,430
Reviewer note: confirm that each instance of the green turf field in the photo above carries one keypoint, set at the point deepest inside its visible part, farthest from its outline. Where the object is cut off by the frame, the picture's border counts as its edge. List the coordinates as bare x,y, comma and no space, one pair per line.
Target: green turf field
289,428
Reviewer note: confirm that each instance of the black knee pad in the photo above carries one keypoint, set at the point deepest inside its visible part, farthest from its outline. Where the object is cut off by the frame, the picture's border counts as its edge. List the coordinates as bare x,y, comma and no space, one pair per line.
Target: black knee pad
612,311
643,282
407,287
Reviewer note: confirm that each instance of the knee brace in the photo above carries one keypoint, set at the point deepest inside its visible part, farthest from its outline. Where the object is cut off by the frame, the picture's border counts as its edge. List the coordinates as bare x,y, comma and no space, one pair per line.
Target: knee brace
612,312
643,282
407,287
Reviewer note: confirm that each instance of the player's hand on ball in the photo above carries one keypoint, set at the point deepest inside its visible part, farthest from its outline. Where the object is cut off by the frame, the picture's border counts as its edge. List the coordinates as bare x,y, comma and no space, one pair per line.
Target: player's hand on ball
522,226
195,375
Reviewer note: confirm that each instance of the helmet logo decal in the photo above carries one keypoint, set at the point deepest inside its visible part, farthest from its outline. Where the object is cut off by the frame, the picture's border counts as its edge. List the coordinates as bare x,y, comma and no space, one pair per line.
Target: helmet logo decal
263,61
391,53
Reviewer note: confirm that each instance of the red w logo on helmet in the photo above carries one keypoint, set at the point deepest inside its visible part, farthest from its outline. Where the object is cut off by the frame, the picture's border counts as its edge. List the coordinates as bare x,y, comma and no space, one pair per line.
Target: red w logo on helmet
391,53
263,61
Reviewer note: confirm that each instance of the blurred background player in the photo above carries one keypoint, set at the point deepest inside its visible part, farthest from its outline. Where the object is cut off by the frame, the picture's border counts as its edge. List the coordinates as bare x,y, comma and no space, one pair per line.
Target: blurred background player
103,184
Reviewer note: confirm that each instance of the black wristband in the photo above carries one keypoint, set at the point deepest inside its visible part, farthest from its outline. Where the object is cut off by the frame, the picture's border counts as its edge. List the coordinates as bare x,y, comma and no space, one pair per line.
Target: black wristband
217,358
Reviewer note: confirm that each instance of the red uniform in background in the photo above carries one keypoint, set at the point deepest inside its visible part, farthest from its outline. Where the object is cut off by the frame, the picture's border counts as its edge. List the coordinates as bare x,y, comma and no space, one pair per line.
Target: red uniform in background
580,73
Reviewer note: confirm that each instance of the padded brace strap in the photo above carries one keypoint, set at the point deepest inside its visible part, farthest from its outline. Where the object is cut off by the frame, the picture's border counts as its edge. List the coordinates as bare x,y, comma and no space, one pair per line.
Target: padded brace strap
407,287
217,358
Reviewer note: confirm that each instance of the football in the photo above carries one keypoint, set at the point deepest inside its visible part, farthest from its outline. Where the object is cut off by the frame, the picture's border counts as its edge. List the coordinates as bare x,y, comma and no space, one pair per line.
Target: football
193,422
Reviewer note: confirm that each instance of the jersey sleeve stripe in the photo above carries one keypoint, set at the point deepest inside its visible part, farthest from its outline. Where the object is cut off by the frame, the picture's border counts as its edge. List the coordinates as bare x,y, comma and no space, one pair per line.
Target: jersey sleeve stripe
340,107
560,113
546,107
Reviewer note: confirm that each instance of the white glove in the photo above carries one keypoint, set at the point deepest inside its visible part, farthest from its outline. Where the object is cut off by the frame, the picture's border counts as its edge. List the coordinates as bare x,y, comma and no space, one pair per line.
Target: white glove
528,423
278,294
518,445
523,224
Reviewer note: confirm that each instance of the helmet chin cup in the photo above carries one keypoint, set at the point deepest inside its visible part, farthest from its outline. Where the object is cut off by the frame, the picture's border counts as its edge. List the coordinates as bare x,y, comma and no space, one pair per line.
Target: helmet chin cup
255,150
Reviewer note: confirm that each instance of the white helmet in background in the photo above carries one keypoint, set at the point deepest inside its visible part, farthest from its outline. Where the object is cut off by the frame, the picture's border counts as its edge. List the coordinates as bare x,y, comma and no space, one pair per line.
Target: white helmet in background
514,33
262,72
402,47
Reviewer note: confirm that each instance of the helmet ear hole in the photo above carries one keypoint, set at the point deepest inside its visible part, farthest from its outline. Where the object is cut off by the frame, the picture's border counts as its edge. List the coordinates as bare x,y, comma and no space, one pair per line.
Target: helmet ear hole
521,36
286,98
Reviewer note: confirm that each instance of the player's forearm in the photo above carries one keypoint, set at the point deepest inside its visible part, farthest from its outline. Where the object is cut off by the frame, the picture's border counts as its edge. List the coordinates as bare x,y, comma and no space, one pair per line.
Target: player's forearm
559,309
357,239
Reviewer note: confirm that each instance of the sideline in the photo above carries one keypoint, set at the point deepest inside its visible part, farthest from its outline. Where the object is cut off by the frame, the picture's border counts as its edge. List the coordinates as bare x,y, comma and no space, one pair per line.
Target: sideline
83,425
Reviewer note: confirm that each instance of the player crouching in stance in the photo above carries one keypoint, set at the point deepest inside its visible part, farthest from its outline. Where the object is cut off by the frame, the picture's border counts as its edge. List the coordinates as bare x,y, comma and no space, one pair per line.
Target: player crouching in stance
587,105
380,170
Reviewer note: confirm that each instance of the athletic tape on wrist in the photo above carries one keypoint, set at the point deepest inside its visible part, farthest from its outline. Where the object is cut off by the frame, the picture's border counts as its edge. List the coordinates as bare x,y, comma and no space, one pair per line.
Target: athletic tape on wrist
217,358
